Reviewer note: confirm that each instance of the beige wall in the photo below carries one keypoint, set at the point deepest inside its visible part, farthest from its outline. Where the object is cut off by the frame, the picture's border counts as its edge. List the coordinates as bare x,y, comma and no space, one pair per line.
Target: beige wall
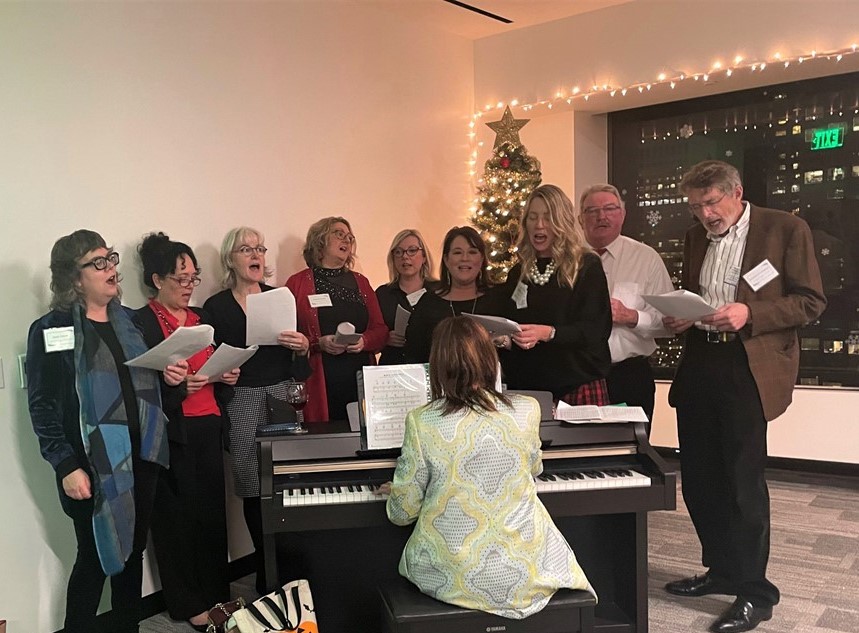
192,118
634,42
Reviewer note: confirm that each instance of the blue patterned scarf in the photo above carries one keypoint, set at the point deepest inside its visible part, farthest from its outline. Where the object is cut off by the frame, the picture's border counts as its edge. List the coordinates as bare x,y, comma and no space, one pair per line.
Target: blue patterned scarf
105,433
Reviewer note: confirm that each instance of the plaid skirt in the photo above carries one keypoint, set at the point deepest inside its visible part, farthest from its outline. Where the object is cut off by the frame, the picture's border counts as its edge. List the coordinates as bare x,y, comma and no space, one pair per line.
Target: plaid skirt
247,411
595,393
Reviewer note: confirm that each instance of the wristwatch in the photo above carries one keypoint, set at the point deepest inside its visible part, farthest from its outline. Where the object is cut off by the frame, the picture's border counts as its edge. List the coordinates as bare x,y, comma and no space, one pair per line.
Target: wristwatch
551,334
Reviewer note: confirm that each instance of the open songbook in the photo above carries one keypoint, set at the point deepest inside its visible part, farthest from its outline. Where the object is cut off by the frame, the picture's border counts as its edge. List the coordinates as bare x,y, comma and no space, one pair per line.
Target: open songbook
588,413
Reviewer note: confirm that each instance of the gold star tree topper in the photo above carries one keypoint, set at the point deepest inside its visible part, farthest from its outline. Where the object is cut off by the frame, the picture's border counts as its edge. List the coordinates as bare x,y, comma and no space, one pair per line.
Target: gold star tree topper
507,129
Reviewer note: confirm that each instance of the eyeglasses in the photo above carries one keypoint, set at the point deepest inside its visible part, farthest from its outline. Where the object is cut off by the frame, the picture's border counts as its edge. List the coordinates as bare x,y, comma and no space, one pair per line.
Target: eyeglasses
100,263
608,209
707,204
186,282
341,235
247,251
411,251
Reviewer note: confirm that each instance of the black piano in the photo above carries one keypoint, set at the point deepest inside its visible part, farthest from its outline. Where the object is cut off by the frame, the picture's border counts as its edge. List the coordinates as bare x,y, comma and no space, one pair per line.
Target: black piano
322,519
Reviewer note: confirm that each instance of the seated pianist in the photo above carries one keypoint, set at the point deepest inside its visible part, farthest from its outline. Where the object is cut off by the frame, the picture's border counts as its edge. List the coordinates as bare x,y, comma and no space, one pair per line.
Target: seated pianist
483,539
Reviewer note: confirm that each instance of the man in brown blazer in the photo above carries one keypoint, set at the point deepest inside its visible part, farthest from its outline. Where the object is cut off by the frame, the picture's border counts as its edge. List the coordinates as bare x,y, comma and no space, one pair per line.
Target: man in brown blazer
757,267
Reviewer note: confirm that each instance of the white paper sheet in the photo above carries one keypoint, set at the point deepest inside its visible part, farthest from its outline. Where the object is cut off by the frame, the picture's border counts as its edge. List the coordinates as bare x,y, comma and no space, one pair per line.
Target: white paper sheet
269,314
588,413
226,358
495,325
182,344
401,320
388,393
680,304
346,335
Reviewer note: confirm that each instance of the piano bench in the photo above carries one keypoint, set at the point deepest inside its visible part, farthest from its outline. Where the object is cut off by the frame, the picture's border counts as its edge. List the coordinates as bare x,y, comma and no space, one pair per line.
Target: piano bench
406,610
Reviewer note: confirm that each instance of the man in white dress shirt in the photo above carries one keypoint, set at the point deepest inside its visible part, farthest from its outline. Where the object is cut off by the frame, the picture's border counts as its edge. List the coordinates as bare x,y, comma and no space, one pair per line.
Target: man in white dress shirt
632,269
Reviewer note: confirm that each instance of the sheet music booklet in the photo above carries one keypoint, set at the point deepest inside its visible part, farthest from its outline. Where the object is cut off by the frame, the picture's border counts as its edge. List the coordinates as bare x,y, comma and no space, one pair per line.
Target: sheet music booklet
387,393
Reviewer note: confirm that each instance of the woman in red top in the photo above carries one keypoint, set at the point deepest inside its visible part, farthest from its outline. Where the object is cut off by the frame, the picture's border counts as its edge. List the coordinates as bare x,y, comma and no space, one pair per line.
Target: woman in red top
189,526
328,292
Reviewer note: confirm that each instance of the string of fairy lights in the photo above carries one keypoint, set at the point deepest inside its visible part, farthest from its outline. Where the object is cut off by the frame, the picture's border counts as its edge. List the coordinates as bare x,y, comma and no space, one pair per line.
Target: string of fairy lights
663,80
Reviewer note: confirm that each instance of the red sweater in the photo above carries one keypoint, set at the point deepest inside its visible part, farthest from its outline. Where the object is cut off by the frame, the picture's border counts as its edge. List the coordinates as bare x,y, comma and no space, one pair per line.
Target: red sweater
375,336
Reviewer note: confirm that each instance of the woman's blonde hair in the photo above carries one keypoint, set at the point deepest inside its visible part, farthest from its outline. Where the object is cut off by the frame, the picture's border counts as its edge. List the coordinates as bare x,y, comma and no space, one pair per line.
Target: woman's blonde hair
317,238
233,239
568,246
426,267
463,366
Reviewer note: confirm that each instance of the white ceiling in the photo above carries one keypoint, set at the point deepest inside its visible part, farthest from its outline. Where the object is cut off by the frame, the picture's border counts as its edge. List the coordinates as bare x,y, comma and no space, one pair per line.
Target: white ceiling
473,25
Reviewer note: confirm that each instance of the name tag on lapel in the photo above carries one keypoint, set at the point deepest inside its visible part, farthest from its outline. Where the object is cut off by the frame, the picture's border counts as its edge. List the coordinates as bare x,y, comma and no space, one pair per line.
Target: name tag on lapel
59,339
322,300
760,275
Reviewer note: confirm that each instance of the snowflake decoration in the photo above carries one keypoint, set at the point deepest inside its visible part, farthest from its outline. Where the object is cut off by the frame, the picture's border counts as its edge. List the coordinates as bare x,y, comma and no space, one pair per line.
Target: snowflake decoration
824,251
686,131
729,153
653,217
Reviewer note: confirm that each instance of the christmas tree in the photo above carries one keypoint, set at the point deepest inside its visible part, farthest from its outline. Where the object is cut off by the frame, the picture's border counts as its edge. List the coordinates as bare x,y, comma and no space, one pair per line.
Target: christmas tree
509,177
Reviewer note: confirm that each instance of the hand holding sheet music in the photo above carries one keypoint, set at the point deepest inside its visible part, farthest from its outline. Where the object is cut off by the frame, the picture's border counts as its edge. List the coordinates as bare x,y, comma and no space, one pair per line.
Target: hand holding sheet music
496,326
182,344
680,304
269,314
226,358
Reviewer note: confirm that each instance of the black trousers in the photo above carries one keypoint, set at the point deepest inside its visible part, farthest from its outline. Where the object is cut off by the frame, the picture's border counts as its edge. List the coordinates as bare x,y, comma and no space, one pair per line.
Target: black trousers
189,523
86,581
723,451
631,382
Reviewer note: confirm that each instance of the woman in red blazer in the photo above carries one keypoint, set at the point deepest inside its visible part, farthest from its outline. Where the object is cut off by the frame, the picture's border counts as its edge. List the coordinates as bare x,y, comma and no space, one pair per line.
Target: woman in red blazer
328,292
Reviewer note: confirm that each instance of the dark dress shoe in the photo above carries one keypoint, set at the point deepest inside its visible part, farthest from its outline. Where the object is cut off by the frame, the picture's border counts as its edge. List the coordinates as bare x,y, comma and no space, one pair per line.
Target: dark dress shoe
696,586
741,616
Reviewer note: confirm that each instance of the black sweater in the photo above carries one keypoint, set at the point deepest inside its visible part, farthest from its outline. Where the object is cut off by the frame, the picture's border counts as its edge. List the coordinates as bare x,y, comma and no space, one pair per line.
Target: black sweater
581,316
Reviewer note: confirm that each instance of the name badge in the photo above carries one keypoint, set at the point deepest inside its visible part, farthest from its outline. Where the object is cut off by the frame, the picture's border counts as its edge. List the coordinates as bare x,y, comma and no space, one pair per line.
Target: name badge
732,276
59,339
760,275
322,300
414,297
520,296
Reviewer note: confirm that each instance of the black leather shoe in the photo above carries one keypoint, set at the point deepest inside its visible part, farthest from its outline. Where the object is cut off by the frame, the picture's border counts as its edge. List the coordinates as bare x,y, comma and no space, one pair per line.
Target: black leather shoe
695,586
741,616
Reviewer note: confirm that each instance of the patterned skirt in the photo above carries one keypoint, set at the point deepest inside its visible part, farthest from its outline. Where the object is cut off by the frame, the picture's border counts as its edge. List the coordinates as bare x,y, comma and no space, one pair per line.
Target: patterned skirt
247,411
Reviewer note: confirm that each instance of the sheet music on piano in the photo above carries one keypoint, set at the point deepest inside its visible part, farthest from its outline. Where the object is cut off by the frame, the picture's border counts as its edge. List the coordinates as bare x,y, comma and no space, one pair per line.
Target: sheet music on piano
387,394
588,413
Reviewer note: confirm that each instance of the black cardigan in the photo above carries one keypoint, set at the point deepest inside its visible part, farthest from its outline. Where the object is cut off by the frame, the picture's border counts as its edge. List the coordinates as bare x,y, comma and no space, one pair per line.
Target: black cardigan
581,316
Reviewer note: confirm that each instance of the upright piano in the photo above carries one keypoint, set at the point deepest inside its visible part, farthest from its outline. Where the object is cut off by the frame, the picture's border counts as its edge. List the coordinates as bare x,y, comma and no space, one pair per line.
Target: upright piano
322,518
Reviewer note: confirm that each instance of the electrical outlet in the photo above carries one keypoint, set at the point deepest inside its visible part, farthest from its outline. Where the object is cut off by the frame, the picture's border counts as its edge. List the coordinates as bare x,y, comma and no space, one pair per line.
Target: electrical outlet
22,371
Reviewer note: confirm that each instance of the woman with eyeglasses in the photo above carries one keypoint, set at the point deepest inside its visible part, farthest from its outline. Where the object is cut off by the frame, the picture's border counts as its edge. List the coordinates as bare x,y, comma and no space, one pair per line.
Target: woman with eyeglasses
100,425
327,293
410,268
266,373
189,525
463,288
559,295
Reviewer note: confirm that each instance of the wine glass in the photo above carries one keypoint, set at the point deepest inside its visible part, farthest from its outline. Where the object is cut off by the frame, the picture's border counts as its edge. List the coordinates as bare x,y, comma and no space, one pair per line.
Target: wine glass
296,395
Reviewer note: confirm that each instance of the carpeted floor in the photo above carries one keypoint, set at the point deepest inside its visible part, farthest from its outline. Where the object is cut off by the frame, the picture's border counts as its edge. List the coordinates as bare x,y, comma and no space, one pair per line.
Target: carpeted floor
814,561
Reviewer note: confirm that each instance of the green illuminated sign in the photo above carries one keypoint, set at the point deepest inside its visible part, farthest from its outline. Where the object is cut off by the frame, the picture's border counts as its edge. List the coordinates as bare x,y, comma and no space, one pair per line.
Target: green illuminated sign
827,138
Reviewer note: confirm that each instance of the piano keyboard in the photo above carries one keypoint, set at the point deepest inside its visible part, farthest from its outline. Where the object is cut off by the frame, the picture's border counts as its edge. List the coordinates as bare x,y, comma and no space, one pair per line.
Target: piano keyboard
546,483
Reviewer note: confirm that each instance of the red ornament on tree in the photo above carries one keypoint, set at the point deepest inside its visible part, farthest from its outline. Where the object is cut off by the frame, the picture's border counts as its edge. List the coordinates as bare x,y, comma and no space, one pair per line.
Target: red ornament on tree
505,163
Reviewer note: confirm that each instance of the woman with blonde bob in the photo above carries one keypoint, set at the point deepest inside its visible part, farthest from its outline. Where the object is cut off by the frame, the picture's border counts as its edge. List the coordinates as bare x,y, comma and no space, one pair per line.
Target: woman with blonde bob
410,268
328,292
466,475
265,375
558,291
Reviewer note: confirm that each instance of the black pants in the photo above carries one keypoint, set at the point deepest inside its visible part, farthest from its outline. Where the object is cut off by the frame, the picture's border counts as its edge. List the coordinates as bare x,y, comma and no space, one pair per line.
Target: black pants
189,523
86,582
723,451
631,382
